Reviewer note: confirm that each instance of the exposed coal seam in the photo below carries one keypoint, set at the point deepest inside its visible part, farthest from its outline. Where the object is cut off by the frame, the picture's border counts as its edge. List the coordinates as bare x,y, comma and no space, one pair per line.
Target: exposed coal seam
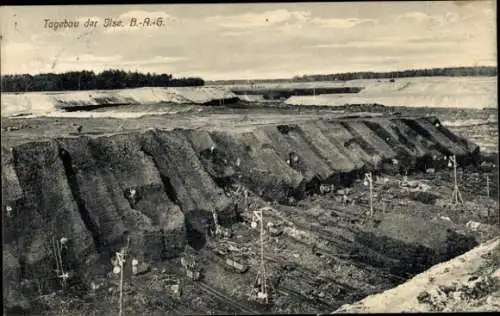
220,159
404,140
454,138
422,131
317,153
171,146
305,188
285,129
424,162
359,140
407,158
409,259
295,193
337,178
103,161
25,269
194,238
27,202
385,136
412,124
167,184
343,150
92,227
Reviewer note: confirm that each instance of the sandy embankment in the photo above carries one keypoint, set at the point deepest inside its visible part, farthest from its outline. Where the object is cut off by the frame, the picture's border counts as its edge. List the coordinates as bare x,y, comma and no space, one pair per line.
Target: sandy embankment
467,283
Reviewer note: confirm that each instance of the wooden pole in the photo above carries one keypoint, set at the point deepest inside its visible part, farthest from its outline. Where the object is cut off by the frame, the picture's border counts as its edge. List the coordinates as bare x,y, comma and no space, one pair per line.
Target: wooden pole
263,283
456,196
369,179
121,280
371,196
488,186
122,259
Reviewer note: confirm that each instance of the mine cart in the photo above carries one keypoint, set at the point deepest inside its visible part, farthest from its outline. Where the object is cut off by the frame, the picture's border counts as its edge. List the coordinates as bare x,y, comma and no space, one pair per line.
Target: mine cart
241,268
274,230
220,251
218,230
193,274
260,297
192,269
188,263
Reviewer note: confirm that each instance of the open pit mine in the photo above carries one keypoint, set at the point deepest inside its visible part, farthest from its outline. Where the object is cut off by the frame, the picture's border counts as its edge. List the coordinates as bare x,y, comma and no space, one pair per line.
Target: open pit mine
230,213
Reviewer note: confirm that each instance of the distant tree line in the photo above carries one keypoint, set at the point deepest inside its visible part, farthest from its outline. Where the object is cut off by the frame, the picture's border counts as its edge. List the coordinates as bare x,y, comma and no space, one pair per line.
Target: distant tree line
432,72
88,80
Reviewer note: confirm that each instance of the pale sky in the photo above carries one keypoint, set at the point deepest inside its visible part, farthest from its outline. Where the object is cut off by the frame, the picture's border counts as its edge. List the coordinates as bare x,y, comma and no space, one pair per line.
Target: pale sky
253,40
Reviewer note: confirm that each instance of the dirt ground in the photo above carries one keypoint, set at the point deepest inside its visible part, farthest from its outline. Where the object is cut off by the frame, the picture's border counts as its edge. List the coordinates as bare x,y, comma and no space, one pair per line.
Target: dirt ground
468,283
312,266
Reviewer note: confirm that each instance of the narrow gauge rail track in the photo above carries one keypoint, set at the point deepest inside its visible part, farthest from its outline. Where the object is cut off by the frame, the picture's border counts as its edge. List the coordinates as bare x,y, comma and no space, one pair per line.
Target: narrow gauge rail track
178,307
327,236
225,298
205,287
341,244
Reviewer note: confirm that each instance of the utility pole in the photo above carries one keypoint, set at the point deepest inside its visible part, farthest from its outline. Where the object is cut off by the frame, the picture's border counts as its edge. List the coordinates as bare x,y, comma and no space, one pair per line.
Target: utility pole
245,194
456,196
488,186
369,181
261,274
121,258
216,223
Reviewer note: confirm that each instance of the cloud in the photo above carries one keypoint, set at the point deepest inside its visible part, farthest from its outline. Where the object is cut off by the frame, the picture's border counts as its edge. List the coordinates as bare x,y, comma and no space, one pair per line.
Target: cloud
90,58
341,23
119,59
289,20
417,43
434,20
415,16
18,48
235,33
100,63
157,60
20,57
258,20
16,54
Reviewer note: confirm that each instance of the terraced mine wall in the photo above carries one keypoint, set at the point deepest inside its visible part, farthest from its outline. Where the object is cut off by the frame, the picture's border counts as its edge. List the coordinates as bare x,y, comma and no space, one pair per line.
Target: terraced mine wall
159,188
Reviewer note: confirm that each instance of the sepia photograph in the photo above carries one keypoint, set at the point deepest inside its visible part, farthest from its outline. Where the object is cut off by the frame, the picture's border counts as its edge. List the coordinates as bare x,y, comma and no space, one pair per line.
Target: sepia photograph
250,158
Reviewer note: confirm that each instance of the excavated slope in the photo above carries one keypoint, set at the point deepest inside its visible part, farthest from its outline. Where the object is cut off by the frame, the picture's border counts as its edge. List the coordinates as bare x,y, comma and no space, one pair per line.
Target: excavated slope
469,282
159,188
48,102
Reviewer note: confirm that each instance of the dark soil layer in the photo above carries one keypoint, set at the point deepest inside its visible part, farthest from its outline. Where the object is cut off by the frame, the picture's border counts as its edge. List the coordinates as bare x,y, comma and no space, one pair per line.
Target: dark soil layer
284,93
159,188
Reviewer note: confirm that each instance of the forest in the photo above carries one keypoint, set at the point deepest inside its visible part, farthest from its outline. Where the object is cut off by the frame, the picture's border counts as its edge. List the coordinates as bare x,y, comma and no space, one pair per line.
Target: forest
88,80
431,72
119,79
445,72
